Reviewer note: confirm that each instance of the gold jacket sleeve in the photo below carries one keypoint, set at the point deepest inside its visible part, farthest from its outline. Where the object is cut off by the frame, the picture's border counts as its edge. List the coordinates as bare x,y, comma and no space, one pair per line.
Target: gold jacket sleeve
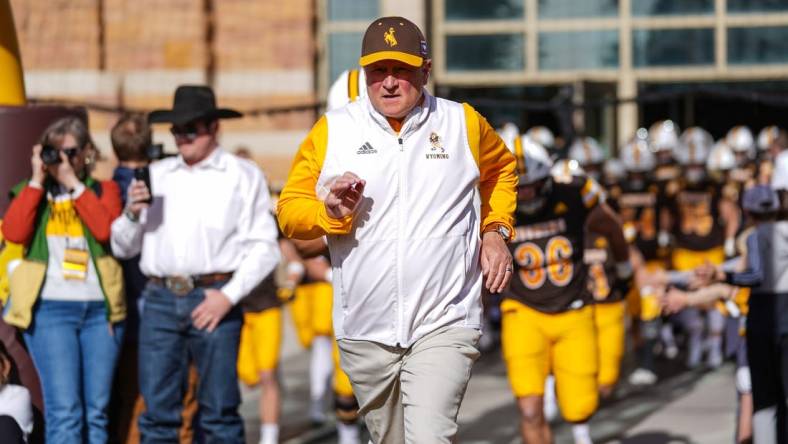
498,181
300,213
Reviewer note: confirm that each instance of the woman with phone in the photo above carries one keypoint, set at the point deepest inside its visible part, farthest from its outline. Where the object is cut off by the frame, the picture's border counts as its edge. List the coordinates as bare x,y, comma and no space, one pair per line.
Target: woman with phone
67,293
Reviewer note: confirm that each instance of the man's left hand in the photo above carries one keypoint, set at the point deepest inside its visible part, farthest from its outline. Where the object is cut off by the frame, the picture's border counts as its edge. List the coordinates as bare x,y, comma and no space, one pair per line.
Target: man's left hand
496,262
212,310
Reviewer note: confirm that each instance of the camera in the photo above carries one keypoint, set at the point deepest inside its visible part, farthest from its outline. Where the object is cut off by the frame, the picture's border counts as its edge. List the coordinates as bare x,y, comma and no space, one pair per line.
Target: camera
155,152
50,155
143,174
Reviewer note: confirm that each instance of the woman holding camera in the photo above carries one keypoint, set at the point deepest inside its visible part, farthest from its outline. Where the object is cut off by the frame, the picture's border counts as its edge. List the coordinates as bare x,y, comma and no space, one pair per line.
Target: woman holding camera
67,292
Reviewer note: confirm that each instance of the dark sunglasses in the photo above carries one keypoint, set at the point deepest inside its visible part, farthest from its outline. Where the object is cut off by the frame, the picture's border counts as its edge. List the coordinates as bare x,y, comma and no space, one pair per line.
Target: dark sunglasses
71,151
190,131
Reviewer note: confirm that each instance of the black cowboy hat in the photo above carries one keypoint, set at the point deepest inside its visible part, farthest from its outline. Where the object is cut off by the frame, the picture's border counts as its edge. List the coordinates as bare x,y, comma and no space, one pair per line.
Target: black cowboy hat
192,102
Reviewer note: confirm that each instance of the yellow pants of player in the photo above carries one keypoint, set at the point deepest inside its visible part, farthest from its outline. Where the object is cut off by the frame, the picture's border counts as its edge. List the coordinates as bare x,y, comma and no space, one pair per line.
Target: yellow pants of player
686,260
312,315
535,344
342,385
311,310
609,323
261,338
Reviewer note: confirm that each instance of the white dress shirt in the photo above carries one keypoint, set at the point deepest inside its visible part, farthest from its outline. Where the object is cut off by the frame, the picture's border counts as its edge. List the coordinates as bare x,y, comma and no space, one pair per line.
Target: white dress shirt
212,217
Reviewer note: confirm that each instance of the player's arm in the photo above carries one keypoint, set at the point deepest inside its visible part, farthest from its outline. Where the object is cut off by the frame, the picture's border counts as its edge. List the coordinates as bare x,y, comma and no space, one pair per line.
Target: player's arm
729,213
676,300
310,248
318,269
294,271
603,221
642,276
667,209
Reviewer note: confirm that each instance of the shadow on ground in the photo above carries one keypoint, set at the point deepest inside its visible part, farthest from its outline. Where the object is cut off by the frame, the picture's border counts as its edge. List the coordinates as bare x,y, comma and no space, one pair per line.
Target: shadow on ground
654,438
629,406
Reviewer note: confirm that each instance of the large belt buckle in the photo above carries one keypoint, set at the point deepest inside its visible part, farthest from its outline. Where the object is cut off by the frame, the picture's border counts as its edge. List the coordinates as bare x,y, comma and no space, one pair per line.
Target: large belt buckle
179,285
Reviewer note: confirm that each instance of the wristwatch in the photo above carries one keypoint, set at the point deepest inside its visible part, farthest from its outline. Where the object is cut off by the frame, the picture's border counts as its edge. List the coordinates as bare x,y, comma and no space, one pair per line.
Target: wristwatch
501,229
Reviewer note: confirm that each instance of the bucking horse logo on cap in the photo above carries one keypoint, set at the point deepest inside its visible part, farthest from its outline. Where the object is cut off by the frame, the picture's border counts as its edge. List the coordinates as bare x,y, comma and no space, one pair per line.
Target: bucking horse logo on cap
389,38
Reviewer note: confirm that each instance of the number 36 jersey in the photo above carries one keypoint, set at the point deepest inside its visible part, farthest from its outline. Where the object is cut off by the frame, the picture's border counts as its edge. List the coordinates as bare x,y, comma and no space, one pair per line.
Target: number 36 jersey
548,247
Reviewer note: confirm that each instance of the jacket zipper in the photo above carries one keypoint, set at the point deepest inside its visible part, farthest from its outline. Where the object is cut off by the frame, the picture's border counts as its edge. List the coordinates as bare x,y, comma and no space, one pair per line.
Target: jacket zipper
400,229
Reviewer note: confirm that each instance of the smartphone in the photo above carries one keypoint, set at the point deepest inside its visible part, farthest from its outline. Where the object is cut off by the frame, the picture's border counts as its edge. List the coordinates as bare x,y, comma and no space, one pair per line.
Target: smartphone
143,174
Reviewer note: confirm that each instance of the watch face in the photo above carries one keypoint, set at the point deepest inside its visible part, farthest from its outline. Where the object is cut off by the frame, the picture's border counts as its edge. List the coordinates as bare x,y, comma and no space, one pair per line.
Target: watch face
504,232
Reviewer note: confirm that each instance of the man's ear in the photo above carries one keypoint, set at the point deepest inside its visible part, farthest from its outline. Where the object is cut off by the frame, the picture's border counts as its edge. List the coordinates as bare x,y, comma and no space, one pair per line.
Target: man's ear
426,68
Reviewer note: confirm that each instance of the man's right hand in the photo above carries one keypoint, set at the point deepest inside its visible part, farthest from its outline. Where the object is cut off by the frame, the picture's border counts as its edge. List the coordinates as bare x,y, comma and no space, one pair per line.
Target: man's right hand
137,197
345,195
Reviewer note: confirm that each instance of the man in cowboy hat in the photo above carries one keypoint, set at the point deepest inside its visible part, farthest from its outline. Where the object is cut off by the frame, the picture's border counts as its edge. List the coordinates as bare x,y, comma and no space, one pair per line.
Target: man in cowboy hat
207,238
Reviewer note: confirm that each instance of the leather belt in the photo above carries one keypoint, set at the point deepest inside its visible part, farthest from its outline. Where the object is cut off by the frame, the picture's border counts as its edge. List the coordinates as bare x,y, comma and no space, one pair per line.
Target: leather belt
182,285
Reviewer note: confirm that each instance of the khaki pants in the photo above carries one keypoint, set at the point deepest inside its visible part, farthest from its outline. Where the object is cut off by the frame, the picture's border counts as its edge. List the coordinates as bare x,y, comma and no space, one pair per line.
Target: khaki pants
412,395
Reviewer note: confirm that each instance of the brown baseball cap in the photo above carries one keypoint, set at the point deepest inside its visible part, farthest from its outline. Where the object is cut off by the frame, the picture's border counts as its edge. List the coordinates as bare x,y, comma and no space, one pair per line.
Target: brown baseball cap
393,38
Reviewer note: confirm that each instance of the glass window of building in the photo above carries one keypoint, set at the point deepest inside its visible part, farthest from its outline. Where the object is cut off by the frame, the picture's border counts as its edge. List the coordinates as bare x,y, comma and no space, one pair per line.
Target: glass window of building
758,45
743,6
503,104
673,47
577,8
578,50
486,10
488,52
339,10
344,50
644,8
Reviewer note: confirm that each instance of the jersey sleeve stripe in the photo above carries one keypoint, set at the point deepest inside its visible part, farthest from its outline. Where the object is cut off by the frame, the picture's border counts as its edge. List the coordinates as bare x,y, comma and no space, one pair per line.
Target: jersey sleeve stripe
591,192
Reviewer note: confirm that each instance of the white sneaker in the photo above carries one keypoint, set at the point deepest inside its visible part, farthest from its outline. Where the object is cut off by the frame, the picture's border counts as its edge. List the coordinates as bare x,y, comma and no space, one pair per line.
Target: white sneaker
642,377
348,433
486,341
714,359
671,351
581,434
694,357
316,413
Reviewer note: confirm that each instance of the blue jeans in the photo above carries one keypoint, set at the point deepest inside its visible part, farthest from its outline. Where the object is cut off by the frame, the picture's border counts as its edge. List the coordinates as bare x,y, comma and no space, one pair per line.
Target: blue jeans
167,342
75,353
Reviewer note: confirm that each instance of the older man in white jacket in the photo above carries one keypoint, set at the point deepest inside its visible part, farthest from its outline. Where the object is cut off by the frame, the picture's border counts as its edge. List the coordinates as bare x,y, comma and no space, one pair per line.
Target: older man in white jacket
403,184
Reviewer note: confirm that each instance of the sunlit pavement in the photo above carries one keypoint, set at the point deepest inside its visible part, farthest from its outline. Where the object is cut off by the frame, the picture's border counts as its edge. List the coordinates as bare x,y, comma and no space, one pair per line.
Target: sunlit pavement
684,407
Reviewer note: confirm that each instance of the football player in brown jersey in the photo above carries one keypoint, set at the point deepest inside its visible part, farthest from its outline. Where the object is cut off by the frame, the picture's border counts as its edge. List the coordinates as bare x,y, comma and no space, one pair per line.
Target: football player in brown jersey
548,322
